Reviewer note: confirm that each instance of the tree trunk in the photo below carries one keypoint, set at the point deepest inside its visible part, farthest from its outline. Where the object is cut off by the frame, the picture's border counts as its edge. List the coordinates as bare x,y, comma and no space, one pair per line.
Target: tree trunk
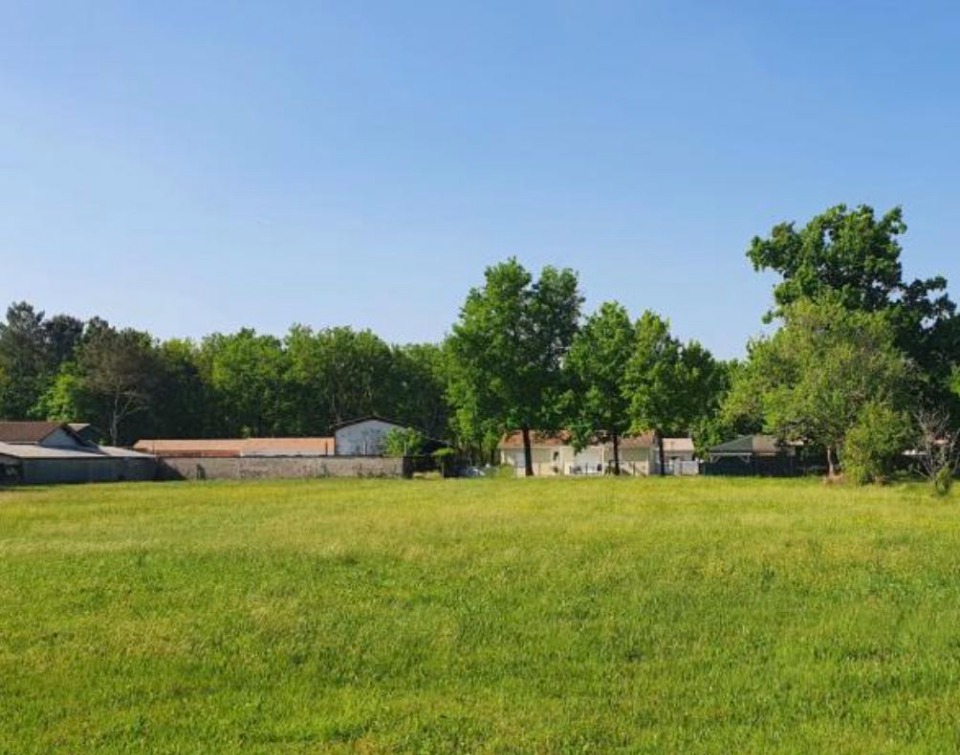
616,453
115,421
663,459
831,471
527,452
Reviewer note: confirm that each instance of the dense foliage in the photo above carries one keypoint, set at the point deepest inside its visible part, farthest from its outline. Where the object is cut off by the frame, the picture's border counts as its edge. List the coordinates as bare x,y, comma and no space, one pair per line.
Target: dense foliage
859,352
130,385
507,351
815,376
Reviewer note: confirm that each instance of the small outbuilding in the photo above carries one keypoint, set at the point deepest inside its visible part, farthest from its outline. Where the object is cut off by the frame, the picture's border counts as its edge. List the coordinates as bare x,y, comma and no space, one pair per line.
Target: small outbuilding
365,436
680,457
756,455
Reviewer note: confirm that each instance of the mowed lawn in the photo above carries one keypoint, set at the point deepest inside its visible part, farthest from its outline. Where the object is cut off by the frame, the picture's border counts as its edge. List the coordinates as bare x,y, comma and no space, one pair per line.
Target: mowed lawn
601,615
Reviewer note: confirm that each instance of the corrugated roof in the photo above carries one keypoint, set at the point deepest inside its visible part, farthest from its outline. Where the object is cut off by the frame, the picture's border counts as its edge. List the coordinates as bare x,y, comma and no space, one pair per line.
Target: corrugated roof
682,445
27,432
32,451
125,453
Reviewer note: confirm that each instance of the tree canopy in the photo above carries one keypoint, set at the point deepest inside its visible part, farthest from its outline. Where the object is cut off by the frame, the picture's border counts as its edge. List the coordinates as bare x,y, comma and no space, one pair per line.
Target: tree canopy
859,348
811,380
671,386
855,257
597,363
507,350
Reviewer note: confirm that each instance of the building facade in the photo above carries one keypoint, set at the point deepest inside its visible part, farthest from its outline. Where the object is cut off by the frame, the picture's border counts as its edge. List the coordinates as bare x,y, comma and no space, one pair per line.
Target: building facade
555,455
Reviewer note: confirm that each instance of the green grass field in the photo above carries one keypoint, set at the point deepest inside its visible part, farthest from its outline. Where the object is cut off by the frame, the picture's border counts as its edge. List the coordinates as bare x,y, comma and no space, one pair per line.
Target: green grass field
479,616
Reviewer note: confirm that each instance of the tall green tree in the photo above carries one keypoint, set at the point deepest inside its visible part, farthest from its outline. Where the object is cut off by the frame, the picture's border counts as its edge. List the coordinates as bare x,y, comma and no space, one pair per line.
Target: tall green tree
307,359
812,380
247,375
120,369
183,400
508,345
112,383
24,361
597,363
719,425
475,430
672,387
419,383
338,374
63,335
855,257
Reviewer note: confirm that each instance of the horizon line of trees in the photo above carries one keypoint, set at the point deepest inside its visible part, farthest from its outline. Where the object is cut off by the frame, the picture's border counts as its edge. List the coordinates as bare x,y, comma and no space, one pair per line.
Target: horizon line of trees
859,355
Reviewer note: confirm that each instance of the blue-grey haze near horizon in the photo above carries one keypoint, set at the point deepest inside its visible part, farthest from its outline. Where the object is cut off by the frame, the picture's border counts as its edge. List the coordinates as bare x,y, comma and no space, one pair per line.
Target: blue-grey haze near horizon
186,168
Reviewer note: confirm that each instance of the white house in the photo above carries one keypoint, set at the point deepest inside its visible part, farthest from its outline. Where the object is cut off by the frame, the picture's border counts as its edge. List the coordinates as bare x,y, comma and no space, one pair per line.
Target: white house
363,437
554,455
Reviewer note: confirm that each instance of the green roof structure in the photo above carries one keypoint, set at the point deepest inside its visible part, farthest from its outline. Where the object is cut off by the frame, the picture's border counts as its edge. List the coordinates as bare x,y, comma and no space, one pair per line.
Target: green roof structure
751,445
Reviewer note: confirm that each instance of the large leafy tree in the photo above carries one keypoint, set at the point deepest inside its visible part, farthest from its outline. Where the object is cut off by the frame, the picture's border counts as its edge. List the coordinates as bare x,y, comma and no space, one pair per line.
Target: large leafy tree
112,382
475,430
183,400
32,350
719,424
672,387
246,373
812,380
338,374
855,257
597,363
63,335
418,386
24,360
120,370
507,350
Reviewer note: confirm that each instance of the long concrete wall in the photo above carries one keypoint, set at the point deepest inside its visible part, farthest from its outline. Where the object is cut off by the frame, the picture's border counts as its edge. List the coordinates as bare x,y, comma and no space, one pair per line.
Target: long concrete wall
94,469
266,467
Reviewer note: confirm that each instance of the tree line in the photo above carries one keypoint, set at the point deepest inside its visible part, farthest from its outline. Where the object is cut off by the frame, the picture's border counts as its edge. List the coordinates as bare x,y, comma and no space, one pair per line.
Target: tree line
244,384
859,355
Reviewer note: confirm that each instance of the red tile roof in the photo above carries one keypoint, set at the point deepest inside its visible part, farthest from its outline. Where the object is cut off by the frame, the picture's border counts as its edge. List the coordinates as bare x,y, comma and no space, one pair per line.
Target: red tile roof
282,446
563,438
515,440
644,440
227,447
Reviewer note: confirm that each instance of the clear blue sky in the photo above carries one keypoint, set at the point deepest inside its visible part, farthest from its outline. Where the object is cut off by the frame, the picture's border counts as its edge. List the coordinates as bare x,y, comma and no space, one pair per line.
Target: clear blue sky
188,167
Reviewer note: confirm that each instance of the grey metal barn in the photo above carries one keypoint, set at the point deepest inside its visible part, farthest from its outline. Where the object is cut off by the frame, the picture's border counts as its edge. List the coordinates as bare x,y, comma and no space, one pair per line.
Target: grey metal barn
38,453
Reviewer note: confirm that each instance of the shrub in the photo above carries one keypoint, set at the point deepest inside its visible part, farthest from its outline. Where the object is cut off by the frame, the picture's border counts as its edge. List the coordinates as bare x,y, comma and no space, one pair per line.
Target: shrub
943,480
939,449
403,442
873,444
